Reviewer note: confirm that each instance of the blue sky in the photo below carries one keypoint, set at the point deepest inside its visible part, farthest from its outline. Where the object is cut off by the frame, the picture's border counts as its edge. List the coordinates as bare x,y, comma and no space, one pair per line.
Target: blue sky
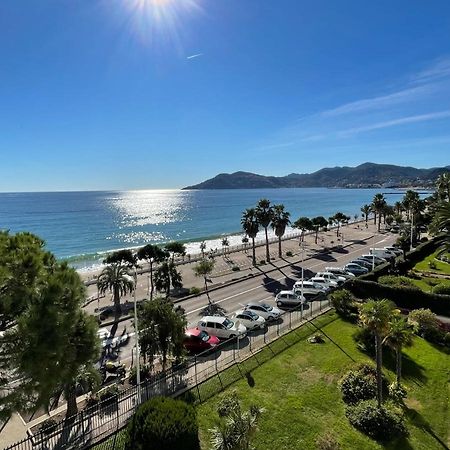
124,94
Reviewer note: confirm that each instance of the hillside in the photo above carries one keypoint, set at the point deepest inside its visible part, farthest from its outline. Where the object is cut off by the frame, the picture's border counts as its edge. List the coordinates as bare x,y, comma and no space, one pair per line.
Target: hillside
363,176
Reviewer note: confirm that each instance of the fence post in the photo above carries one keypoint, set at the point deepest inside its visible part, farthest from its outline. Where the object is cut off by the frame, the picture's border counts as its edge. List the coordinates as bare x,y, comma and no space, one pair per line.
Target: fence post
290,320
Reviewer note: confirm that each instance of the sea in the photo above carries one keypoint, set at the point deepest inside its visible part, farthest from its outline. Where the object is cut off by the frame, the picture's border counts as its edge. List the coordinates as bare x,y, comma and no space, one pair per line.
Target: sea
82,227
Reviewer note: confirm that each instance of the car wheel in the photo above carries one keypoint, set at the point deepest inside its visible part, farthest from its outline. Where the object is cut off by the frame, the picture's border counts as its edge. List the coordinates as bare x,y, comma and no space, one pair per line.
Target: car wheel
279,304
232,336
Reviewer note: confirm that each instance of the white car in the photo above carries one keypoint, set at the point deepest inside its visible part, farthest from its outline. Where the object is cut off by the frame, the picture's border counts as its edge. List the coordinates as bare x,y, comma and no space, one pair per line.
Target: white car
222,327
332,277
270,313
327,284
250,319
309,288
289,298
107,340
340,272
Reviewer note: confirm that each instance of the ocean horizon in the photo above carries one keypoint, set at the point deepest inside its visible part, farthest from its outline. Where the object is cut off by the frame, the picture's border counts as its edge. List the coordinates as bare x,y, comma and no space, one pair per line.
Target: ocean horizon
81,227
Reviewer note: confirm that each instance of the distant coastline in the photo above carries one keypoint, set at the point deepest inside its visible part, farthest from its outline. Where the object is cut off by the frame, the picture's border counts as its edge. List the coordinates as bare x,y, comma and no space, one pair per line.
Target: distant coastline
364,176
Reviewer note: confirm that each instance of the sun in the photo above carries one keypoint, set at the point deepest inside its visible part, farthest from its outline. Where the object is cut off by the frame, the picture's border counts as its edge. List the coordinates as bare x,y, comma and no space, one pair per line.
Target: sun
160,21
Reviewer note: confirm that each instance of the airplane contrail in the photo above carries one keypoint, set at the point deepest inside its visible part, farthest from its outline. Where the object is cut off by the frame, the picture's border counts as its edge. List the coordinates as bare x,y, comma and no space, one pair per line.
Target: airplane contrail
194,56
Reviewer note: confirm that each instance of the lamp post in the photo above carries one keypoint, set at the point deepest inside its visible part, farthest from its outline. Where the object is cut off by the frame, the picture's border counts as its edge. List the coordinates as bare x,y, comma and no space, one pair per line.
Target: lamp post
301,289
136,335
412,226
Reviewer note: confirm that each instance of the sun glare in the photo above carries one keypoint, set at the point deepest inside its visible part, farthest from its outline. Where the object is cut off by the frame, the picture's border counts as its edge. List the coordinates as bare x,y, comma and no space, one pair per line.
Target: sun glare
159,21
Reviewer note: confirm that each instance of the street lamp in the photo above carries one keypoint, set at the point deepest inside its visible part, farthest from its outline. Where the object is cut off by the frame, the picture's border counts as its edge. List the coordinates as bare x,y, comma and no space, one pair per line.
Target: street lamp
411,235
136,335
301,289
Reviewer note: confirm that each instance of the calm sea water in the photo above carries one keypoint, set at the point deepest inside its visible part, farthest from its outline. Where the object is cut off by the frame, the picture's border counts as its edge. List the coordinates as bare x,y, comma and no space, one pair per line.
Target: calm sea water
83,226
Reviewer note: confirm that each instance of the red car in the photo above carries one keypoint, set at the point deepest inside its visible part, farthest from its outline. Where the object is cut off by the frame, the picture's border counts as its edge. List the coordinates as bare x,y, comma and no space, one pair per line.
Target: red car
196,340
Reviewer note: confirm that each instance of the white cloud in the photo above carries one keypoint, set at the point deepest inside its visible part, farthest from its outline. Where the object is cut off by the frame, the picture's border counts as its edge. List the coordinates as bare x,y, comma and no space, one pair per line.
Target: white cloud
395,122
440,69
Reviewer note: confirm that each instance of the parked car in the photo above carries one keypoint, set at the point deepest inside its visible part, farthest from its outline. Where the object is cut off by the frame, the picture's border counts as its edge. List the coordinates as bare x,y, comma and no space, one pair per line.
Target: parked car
268,312
250,319
355,268
363,262
373,258
395,229
340,272
196,340
327,284
332,277
309,288
289,298
397,251
382,253
107,340
222,327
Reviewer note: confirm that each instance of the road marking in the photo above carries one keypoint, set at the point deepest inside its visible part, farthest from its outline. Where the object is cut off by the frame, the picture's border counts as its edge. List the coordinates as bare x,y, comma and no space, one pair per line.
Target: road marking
274,281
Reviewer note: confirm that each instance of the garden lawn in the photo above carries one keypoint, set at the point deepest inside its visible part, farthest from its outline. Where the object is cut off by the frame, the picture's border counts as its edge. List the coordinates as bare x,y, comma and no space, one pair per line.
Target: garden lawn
298,388
441,267
427,283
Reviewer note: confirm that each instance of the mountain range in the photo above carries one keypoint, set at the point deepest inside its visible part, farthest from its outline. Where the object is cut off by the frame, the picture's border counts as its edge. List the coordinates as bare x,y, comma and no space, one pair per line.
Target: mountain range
367,175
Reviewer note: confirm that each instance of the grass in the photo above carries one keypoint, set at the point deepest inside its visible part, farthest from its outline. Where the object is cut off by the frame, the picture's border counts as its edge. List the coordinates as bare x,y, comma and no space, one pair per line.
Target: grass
441,267
427,283
296,382
298,389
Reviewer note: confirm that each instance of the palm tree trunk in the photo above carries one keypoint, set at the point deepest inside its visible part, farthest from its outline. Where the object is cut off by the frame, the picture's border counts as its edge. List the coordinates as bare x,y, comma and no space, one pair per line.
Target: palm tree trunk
279,247
379,361
267,245
374,218
317,235
398,354
206,290
117,308
379,222
151,281
337,231
72,407
254,253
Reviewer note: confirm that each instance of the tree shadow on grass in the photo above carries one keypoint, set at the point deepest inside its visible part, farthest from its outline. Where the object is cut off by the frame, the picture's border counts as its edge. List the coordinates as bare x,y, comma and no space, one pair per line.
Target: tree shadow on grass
419,421
411,370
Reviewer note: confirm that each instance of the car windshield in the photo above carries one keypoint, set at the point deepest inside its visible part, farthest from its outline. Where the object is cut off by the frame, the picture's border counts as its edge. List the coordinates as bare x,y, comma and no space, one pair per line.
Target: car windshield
266,307
250,314
204,336
227,323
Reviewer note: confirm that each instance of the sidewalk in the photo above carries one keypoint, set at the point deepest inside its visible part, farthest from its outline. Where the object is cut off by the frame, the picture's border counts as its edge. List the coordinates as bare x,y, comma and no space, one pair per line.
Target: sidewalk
223,270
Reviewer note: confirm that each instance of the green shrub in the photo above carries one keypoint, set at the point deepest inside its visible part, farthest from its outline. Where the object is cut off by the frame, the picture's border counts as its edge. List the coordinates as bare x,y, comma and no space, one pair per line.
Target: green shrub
165,424
402,296
360,384
289,253
262,262
194,290
228,404
424,321
442,288
432,265
397,392
48,426
109,396
381,424
344,304
365,340
392,280
145,374
235,268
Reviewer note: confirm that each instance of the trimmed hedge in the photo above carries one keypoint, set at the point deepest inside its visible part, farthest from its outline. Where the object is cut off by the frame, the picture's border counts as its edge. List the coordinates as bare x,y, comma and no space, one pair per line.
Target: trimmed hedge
163,423
403,297
420,252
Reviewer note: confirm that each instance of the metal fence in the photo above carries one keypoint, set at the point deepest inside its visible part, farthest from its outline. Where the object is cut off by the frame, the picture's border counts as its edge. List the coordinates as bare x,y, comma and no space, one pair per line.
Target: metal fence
96,423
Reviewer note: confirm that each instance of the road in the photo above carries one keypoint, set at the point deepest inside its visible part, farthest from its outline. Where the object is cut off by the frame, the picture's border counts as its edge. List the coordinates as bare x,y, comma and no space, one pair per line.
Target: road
263,287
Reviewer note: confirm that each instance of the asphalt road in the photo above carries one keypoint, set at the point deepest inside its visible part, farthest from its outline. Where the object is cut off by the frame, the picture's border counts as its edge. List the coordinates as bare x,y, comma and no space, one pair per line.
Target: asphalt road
263,287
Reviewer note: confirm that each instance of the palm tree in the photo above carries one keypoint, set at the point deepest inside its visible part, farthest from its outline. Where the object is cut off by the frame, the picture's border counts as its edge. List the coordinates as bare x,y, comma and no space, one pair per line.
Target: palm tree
116,278
225,245
203,248
374,315
245,242
398,207
378,205
152,254
250,225
280,221
443,186
339,218
175,248
167,275
264,214
237,427
203,269
366,209
318,222
303,223
410,199
400,335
